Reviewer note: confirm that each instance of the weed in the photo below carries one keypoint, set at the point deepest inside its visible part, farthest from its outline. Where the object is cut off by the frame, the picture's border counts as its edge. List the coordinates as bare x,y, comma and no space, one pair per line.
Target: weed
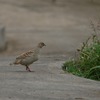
87,63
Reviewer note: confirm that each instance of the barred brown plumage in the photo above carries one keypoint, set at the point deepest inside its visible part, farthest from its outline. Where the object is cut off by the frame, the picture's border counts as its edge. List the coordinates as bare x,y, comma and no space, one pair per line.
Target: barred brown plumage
29,57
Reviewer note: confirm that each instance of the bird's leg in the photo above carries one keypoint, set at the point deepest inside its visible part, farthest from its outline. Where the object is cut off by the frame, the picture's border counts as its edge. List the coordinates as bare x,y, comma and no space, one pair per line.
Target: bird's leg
28,69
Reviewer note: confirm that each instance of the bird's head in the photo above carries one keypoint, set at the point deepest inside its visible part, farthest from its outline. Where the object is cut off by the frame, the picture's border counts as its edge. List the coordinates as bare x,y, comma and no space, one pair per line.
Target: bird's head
41,44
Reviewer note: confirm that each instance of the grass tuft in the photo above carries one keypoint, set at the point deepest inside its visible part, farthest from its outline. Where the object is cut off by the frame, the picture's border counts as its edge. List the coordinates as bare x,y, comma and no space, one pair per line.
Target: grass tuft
87,63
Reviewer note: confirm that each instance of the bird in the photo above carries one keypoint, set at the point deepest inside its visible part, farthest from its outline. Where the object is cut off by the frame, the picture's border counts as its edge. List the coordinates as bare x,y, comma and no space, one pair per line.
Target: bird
28,57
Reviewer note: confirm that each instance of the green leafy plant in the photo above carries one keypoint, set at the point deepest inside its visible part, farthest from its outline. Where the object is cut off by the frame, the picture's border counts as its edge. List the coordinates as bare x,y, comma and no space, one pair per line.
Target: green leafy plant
87,64
94,73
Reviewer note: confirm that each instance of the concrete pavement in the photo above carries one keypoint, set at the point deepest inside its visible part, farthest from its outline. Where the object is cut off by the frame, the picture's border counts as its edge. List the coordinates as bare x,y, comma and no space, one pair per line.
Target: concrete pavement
48,82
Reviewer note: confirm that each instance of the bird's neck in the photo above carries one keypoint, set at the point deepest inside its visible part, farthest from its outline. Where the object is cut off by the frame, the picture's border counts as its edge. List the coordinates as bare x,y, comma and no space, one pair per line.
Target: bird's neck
37,50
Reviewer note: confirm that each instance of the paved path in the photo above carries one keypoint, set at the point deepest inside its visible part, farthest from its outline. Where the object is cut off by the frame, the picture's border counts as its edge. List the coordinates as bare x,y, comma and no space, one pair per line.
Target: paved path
48,82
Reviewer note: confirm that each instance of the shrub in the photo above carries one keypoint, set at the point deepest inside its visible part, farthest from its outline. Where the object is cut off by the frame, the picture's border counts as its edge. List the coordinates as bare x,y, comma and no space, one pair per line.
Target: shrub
87,63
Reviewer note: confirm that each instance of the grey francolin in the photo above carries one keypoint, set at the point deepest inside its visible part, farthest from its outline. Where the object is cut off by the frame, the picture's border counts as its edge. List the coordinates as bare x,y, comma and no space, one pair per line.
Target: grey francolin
29,57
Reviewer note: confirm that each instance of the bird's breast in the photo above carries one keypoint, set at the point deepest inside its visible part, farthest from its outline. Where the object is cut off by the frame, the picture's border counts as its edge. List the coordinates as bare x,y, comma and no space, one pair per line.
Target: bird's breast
29,60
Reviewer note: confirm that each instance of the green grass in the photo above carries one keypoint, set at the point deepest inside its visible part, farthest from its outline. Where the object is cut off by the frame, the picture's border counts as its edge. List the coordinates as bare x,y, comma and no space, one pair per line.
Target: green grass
87,64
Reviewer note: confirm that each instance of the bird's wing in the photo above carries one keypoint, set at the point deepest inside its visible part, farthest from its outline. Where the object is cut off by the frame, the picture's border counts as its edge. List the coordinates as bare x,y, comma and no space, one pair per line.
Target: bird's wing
24,55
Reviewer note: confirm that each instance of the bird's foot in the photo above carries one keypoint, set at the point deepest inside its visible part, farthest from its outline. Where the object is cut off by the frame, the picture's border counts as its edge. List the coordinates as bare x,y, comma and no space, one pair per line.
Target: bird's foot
29,70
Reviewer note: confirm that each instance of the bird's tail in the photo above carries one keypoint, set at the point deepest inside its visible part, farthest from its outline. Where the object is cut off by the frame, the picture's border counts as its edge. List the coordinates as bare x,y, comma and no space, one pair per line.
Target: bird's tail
16,62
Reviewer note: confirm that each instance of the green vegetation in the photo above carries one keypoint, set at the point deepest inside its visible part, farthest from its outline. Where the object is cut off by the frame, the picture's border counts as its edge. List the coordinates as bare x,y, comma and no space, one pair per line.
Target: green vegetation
87,63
